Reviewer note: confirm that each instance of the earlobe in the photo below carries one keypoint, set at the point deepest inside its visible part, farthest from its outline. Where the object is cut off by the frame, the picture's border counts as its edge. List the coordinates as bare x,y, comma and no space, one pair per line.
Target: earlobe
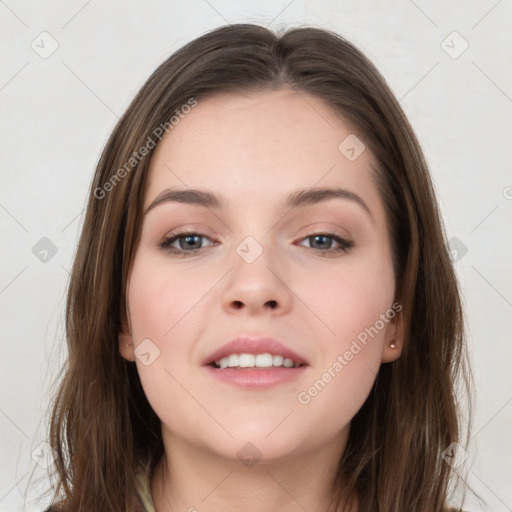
126,343
394,339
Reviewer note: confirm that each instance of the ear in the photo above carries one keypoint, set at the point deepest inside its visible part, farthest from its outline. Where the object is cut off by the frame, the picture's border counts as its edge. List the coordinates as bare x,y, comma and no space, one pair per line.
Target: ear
394,335
126,348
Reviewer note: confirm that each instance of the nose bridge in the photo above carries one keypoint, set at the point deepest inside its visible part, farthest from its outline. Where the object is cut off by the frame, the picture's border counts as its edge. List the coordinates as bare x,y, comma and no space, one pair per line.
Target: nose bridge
256,237
255,282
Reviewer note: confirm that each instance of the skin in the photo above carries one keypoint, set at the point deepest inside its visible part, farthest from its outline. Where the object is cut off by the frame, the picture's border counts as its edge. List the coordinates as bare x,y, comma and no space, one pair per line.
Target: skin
254,150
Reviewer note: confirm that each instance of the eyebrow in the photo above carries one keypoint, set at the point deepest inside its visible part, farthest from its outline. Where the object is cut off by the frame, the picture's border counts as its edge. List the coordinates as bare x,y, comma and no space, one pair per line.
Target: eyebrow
297,198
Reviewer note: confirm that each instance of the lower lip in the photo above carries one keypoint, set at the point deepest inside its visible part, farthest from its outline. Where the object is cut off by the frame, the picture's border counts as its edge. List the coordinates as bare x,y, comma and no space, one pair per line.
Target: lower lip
256,378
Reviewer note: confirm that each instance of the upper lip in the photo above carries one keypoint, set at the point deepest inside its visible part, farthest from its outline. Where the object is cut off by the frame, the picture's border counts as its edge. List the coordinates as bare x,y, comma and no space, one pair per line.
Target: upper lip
248,345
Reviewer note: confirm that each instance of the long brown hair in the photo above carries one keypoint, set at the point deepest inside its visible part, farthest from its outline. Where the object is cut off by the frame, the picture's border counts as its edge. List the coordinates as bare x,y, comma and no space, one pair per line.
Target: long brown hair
101,422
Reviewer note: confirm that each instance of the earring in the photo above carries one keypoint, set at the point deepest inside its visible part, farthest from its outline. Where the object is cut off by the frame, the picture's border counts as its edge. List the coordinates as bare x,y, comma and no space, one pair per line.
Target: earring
129,343
392,345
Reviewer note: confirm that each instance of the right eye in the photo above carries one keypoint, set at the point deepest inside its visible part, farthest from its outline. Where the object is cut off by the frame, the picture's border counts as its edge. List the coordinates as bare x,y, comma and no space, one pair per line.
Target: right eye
189,243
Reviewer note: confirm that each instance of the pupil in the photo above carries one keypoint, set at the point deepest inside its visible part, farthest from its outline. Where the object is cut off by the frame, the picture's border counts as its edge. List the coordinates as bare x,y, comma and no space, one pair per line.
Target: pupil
321,237
188,238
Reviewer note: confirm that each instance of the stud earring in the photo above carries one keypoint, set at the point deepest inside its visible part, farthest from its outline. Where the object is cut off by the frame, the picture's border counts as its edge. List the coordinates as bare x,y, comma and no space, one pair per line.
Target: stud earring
392,345
129,343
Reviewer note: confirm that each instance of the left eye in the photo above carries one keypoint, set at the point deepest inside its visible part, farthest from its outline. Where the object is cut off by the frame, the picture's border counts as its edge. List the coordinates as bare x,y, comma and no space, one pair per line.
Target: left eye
324,239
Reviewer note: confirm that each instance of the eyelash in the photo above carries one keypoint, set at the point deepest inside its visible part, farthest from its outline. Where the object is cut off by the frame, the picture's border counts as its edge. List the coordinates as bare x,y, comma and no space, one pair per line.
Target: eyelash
344,244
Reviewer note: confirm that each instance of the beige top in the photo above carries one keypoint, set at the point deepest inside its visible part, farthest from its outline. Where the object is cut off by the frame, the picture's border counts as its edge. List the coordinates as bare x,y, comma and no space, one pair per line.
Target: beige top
143,488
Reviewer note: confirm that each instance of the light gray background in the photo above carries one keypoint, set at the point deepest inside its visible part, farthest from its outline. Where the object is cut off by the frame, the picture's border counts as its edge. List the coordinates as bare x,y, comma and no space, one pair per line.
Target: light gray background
57,113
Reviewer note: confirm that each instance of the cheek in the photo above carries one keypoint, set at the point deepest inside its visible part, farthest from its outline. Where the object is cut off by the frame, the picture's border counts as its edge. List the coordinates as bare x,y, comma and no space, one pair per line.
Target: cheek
347,298
335,396
157,303
159,299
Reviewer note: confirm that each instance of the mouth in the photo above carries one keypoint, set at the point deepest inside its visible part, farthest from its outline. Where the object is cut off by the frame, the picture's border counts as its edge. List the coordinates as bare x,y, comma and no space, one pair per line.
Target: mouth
255,371
255,363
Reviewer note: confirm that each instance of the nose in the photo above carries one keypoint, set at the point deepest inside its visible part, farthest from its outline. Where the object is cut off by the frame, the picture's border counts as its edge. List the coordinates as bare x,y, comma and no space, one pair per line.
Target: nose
257,288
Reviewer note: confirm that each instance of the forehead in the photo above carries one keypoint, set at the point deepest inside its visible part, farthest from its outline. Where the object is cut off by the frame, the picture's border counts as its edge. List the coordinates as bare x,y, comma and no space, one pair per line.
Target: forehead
259,145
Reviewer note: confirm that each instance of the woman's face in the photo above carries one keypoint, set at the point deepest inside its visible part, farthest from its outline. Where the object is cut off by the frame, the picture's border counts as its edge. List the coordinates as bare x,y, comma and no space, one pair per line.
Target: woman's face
260,271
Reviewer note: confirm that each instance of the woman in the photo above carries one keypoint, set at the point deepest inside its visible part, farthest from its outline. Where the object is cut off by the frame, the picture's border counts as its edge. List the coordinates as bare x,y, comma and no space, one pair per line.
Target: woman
262,311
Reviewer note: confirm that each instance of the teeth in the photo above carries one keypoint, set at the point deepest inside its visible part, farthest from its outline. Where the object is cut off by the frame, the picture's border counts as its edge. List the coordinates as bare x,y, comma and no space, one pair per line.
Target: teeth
263,360
246,360
287,363
277,360
259,360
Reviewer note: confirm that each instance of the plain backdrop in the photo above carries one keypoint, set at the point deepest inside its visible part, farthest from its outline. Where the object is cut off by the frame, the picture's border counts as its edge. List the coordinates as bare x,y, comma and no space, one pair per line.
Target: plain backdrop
69,70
